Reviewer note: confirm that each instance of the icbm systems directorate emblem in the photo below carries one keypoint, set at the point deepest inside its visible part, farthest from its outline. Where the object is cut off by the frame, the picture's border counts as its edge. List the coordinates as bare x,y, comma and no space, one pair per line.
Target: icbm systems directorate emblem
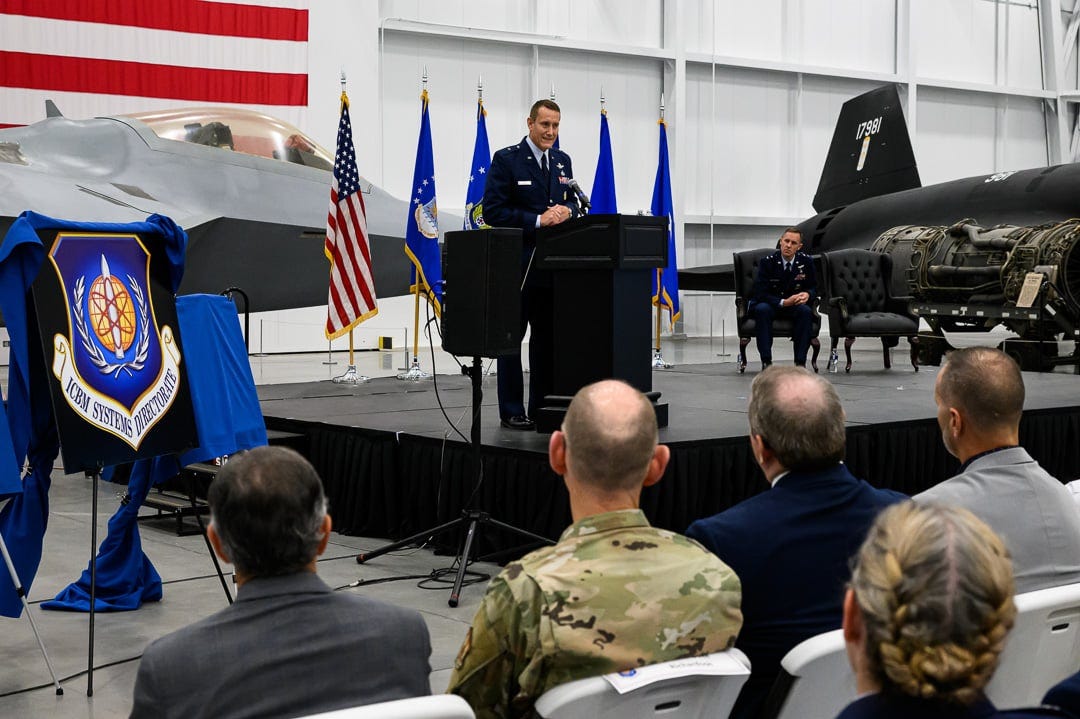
118,370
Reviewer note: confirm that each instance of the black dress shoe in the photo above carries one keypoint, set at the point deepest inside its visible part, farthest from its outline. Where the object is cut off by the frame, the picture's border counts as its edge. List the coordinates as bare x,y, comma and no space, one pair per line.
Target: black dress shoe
519,422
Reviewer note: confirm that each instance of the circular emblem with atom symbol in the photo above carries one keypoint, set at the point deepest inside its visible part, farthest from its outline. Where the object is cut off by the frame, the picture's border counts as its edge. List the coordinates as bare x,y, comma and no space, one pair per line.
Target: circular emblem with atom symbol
112,315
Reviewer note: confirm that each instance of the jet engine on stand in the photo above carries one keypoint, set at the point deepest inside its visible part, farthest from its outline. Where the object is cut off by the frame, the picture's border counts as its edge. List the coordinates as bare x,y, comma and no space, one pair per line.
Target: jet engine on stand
970,278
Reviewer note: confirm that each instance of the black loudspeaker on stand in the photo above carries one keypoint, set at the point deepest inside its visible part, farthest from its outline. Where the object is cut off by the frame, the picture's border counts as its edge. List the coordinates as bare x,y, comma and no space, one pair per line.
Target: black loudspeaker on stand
481,317
482,269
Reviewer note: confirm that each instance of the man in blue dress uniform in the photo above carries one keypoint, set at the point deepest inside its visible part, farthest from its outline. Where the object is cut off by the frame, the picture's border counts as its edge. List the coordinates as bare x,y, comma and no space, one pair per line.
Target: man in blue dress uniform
785,286
527,187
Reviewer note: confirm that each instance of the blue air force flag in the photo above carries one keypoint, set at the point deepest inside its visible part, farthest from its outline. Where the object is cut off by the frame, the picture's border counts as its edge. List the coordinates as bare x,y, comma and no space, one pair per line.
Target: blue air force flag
422,225
603,186
666,279
481,162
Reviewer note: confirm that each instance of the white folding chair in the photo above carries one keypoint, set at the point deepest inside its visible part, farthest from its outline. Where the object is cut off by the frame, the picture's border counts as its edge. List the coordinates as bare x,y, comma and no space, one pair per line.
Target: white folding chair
681,689
1042,649
817,678
438,706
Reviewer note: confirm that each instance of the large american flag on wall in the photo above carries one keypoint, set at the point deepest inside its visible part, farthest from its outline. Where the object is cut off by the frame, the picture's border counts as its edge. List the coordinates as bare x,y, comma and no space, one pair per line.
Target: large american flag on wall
108,57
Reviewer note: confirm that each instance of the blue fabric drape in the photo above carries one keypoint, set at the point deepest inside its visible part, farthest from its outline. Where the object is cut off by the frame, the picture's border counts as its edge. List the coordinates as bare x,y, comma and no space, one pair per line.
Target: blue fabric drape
228,419
125,576
23,521
227,412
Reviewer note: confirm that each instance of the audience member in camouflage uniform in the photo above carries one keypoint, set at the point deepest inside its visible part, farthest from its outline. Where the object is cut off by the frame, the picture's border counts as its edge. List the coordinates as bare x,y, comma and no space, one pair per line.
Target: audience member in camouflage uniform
614,593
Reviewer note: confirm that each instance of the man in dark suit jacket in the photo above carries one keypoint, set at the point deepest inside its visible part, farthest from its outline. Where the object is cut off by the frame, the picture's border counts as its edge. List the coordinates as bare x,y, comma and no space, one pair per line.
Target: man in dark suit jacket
289,646
527,188
786,285
790,545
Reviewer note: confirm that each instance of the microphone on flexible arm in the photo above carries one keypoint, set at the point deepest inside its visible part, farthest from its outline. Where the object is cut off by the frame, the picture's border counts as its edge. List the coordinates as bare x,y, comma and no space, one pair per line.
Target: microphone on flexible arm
582,198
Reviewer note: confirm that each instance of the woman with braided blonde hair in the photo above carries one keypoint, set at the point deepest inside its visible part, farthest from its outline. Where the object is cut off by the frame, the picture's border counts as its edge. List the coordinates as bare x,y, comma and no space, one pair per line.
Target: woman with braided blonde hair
926,615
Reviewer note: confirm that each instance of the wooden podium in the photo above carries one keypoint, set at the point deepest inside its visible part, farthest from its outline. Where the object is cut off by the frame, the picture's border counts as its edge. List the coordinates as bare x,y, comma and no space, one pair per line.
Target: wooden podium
602,268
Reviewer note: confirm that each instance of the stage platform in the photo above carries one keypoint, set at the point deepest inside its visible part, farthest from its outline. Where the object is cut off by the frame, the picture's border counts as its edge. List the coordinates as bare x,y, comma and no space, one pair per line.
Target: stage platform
393,464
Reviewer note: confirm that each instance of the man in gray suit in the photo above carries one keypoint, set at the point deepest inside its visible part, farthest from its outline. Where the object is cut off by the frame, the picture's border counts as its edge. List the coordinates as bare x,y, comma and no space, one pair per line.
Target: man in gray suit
980,397
288,646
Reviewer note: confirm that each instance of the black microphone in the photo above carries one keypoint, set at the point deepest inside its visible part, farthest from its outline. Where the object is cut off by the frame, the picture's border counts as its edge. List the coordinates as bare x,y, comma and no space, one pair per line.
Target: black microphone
583,199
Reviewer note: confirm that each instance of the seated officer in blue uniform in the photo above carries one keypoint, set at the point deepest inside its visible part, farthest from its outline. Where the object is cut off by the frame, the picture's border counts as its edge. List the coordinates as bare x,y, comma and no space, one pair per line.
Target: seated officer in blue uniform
785,286
527,188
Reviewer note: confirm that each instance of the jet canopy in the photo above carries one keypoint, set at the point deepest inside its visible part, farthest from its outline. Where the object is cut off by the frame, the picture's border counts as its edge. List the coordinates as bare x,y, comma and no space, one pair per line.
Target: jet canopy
240,130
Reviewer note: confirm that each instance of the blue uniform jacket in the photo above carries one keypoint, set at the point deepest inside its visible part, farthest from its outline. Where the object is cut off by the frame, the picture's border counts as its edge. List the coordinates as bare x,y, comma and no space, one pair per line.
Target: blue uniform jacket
790,547
515,193
772,284
894,706
1066,695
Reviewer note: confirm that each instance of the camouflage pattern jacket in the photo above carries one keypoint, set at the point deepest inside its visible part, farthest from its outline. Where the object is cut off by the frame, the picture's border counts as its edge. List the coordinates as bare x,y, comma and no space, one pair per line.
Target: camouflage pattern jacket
613,594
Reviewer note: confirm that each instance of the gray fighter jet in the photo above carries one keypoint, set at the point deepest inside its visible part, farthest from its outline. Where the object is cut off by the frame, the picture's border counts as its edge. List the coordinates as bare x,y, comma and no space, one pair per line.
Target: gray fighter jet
251,191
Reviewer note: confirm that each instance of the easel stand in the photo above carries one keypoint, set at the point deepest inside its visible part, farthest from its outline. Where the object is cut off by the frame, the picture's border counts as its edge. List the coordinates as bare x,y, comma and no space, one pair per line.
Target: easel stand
94,474
210,549
472,520
21,591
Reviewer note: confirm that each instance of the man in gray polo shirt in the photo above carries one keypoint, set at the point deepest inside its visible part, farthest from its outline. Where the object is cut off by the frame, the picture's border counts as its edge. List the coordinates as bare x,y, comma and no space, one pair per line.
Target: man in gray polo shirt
980,397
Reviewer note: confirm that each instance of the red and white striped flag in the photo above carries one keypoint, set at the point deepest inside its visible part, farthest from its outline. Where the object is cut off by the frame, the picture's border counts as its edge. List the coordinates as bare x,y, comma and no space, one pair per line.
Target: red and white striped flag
352,289
111,57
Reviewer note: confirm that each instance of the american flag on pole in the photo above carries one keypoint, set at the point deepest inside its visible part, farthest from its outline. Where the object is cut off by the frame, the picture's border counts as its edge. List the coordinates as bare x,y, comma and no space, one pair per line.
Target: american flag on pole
352,289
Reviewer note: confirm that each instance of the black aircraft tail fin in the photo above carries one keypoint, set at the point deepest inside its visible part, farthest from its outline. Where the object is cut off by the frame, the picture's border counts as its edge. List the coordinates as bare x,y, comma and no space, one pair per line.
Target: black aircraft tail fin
870,154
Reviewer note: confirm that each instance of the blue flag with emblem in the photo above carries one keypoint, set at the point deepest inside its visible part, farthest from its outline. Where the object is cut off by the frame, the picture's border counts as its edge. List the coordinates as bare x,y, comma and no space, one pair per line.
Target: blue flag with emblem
603,186
481,162
422,225
666,279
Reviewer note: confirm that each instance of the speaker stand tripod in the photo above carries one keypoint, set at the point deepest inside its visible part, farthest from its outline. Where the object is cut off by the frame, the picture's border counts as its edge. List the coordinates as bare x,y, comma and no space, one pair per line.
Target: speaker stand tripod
471,520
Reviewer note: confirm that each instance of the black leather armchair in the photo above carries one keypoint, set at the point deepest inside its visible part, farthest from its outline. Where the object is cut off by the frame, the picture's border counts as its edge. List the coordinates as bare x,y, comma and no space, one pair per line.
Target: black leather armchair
861,304
745,266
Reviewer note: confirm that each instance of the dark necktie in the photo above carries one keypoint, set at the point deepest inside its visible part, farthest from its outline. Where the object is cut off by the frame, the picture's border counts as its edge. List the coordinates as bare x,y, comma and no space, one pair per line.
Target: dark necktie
544,166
